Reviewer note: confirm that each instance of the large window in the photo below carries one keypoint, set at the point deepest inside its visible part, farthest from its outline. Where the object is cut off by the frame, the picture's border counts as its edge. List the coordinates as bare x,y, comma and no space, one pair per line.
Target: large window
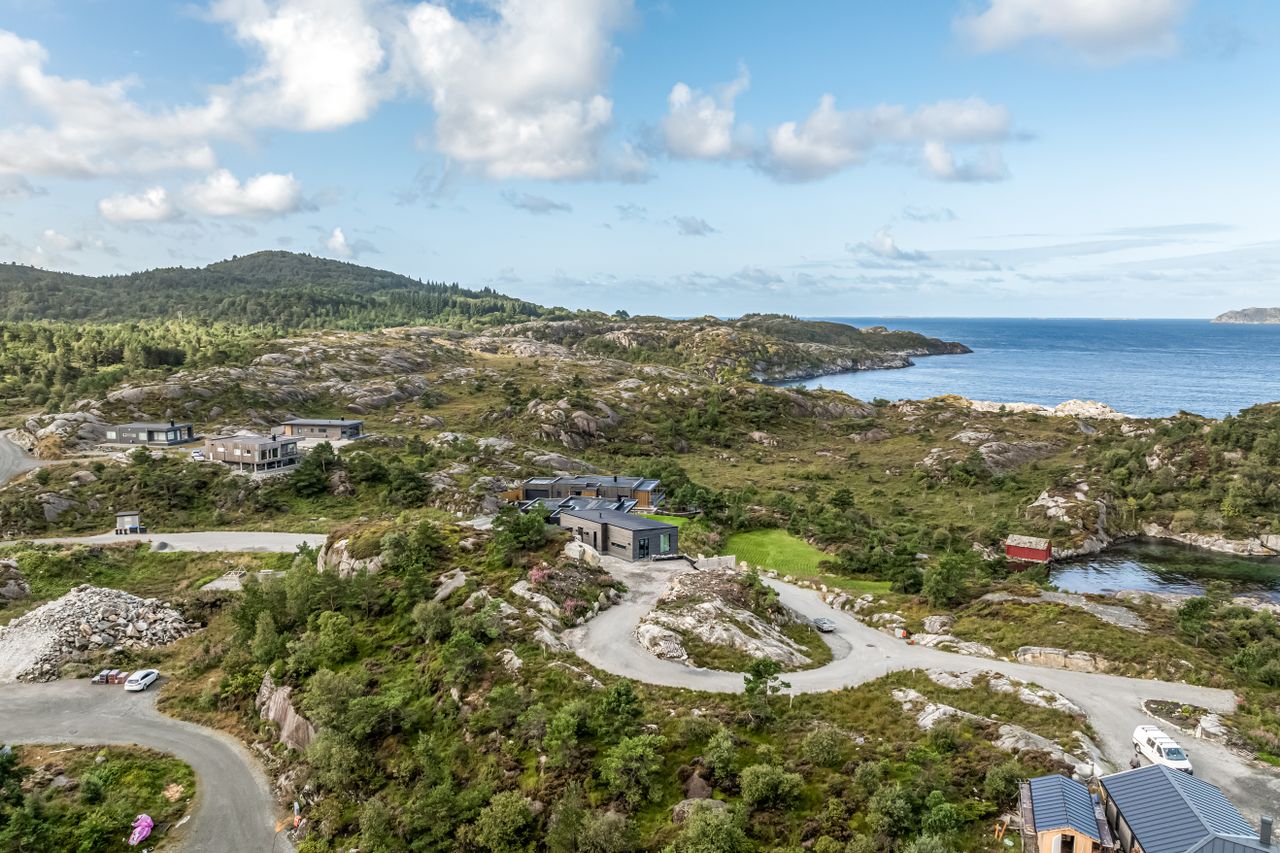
664,543
642,547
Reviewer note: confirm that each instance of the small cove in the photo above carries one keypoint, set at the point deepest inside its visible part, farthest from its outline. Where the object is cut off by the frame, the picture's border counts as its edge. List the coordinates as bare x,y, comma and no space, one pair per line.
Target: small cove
1156,566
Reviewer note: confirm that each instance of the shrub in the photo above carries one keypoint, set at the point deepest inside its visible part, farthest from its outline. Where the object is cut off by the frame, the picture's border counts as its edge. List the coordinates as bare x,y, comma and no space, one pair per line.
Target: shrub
432,620
630,769
710,831
929,844
765,786
609,832
721,755
335,638
502,825
823,747
890,811
1002,782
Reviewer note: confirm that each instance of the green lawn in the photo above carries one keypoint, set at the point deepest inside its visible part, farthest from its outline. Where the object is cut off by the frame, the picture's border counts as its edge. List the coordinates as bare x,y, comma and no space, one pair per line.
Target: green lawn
674,520
790,555
777,550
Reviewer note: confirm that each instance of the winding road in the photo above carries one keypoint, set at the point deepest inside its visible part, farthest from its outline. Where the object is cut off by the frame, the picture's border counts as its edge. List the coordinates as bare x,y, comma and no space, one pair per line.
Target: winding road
13,459
232,809
1113,703
246,541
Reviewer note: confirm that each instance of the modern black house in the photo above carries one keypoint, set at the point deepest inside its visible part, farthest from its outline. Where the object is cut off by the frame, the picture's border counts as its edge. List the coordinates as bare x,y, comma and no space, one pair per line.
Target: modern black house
621,534
159,433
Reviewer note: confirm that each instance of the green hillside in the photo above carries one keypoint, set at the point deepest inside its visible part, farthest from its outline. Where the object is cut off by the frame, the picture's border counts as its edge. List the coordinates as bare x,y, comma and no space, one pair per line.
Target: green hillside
280,289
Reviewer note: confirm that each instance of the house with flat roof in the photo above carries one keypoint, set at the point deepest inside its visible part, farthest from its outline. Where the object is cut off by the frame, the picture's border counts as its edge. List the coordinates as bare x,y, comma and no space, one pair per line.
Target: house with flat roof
154,433
645,492
621,534
324,429
253,453
555,506
1155,809
1059,815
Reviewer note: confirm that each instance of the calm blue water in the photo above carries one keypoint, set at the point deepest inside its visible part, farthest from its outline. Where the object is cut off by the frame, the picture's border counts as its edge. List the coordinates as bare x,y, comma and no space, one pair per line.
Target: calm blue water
1149,368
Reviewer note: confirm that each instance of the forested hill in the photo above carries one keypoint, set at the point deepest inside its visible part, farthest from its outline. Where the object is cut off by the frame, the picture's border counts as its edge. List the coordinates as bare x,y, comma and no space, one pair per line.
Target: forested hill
280,289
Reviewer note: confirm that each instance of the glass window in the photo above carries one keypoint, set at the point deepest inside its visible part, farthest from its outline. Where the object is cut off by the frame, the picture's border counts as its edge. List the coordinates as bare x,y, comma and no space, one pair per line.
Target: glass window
664,543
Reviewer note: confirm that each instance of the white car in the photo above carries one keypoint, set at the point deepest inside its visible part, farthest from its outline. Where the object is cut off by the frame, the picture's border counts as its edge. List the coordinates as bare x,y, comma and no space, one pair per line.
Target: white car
197,456
1158,748
141,680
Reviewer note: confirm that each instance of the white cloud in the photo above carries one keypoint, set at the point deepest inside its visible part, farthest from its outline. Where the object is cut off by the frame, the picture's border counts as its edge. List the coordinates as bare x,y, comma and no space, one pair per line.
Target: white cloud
152,205
519,93
917,213
89,129
700,126
882,245
337,243
692,226
55,242
17,187
341,246
222,194
322,61
986,165
830,139
536,204
1101,30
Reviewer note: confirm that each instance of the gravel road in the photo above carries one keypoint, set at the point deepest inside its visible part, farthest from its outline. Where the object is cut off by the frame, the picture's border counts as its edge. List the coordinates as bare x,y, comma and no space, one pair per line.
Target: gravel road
862,654
233,809
13,459
205,540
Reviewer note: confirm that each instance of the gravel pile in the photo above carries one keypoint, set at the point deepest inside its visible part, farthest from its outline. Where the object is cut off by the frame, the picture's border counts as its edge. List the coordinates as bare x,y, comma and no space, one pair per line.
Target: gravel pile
34,646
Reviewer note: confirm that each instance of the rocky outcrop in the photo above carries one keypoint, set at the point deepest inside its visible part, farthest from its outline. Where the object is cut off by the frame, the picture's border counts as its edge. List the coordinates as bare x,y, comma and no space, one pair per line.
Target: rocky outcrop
1083,409
949,643
572,427
55,436
1121,617
13,586
1062,659
274,703
996,682
1249,315
1174,600
1086,516
1265,545
708,604
336,557
34,646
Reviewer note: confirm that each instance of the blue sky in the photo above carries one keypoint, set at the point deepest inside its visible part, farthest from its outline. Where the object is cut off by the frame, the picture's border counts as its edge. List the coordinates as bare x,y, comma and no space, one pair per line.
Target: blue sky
979,157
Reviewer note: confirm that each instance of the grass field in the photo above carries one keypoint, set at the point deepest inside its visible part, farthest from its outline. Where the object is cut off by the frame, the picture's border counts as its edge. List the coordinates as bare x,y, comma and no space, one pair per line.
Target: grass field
674,520
790,555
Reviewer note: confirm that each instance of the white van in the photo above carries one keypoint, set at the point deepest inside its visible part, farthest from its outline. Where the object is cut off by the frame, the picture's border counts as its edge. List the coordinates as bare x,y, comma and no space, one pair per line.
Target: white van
1158,748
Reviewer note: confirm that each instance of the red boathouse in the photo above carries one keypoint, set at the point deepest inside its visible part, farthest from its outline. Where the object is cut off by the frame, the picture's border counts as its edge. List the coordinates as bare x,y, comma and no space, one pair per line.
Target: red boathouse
1027,549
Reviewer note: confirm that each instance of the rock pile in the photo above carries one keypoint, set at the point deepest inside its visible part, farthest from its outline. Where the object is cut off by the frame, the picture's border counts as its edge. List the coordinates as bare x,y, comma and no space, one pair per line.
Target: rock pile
34,646
13,586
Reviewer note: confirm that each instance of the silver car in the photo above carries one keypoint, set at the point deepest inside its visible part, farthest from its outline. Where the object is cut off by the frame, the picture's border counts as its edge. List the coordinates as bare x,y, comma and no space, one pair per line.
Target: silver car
824,624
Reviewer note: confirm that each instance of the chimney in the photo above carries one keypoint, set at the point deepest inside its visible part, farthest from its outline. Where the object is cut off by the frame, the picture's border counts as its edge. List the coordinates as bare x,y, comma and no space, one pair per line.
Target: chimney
171,423
1264,834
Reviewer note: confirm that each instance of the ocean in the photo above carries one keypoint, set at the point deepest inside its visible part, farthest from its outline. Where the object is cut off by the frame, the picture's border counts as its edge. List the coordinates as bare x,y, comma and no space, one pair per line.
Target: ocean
1149,368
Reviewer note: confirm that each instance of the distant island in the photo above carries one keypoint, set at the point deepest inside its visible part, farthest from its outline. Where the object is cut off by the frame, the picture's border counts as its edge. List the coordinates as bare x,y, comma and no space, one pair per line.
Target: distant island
1250,315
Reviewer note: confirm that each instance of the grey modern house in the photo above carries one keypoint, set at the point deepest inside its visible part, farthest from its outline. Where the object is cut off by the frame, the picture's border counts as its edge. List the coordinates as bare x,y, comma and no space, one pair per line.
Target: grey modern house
1059,813
254,453
160,433
621,534
322,428
555,506
1155,809
645,492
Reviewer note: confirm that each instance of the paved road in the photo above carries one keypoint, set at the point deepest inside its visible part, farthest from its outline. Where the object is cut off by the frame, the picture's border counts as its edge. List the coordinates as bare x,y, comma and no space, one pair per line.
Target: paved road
233,807
13,459
206,540
862,654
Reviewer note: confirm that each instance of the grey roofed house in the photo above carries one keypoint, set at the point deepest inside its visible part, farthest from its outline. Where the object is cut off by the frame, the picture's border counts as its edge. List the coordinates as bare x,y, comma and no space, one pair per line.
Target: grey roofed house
1168,811
556,506
644,491
621,534
151,432
323,428
1056,811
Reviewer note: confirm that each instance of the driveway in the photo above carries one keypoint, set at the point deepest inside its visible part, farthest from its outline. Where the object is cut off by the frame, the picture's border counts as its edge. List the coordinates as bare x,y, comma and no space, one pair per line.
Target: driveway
13,459
1113,703
207,540
233,808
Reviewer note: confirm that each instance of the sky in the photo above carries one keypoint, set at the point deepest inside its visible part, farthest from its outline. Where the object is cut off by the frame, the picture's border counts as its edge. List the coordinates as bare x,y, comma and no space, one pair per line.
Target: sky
1110,158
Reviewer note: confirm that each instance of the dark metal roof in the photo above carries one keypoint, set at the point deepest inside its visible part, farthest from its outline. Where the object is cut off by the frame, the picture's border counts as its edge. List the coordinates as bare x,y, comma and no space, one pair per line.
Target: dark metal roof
154,425
591,480
1061,803
625,520
323,422
559,505
1173,812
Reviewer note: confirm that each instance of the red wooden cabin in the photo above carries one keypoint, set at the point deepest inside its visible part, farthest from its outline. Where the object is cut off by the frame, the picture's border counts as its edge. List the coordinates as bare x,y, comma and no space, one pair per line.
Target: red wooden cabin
1028,549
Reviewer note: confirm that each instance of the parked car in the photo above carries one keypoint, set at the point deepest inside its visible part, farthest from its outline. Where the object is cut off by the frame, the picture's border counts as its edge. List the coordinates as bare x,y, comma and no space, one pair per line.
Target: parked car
197,456
824,624
1157,747
141,680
